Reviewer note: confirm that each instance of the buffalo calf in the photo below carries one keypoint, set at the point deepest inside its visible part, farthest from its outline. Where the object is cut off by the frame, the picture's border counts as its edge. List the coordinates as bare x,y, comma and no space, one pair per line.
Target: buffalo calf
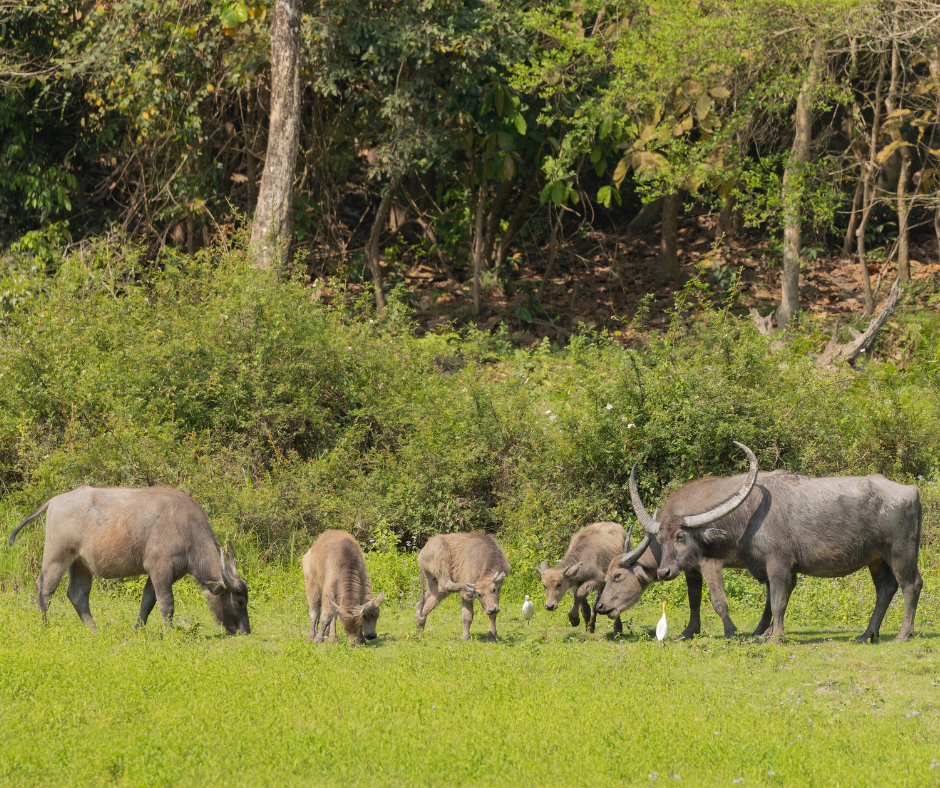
472,565
335,573
582,570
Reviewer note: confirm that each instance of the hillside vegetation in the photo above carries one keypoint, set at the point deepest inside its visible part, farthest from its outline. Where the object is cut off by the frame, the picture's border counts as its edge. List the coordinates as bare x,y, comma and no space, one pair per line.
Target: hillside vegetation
286,408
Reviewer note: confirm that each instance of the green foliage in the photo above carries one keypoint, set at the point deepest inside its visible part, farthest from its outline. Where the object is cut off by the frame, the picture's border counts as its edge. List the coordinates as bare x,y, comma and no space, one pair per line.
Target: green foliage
285,411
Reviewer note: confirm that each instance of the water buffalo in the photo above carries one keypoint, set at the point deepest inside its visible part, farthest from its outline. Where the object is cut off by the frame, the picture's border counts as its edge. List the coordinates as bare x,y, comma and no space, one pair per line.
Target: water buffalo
335,569
792,524
582,570
472,565
629,574
119,532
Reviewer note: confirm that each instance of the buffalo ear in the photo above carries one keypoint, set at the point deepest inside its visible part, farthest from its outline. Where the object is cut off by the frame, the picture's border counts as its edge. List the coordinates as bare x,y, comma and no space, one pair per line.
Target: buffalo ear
713,535
640,573
469,587
542,567
215,588
499,577
376,601
571,571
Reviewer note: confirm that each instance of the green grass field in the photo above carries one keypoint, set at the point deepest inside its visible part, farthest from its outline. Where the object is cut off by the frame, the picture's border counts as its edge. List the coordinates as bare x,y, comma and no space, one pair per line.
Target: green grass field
546,706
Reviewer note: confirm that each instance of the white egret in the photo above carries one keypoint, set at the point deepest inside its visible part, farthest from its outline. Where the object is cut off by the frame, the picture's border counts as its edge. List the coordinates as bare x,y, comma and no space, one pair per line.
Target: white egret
528,610
662,627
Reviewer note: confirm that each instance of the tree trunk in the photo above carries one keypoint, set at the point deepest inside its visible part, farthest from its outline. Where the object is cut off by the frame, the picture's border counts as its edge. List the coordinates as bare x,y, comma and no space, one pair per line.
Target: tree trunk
478,244
793,189
725,228
374,237
849,241
868,197
492,223
552,255
892,102
270,232
516,220
669,243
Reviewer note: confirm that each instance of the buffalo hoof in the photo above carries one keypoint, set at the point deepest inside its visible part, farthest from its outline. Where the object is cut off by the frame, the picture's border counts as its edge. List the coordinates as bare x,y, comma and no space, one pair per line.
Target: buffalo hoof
688,634
491,638
618,627
865,637
902,638
575,620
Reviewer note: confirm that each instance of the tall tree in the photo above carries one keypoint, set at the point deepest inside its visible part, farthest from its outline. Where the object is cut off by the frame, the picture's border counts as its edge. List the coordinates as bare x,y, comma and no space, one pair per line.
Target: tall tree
792,187
270,232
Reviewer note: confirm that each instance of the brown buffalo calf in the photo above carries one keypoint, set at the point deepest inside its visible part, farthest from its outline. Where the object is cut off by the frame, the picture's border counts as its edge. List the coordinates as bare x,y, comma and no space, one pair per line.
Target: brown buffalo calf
583,570
472,565
338,585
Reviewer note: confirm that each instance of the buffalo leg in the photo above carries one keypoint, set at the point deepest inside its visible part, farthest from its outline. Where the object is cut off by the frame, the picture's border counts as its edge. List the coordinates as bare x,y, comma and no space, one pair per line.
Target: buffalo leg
79,590
766,617
911,584
781,586
886,585
466,613
618,626
588,616
326,618
597,599
491,635
147,600
163,587
48,581
314,603
333,638
693,582
715,580
427,603
574,616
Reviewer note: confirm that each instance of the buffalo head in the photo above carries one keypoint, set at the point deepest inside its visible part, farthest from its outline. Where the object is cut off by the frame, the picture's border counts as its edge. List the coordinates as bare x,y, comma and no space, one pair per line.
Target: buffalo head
557,580
486,589
359,622
228,599
683,537
625,580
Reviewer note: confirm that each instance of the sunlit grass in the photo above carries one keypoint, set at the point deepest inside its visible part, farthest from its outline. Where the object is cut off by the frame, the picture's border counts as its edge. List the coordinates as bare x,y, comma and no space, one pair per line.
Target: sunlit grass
546,706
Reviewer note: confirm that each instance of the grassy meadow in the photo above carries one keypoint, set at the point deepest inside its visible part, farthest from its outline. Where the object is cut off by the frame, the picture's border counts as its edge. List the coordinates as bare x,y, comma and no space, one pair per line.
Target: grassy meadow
286,408
548,705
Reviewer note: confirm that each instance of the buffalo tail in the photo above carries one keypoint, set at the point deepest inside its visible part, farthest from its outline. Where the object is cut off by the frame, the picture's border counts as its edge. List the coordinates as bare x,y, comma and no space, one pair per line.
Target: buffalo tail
32,517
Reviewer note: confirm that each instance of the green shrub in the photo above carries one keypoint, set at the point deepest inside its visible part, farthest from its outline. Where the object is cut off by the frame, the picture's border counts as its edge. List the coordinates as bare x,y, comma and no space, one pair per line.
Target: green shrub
285,410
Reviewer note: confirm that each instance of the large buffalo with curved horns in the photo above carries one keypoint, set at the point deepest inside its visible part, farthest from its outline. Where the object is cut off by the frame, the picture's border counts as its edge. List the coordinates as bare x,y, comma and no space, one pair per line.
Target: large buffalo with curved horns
119,532
780,524
630,573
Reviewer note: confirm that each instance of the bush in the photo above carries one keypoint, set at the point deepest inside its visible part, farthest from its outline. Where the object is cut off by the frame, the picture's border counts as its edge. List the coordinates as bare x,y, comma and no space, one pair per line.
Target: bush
286,409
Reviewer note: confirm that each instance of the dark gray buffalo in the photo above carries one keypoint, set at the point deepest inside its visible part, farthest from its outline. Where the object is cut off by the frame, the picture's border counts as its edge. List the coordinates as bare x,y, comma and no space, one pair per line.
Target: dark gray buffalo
791,524
121,532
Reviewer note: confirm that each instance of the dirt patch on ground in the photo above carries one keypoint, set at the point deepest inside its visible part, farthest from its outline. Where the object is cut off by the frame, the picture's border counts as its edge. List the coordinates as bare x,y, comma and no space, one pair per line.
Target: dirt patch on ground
600,279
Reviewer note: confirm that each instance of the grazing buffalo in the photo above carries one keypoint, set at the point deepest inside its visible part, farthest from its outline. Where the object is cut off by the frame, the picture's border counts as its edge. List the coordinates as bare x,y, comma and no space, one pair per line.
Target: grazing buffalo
792,524
629,574
582,570
472,565
121,532
335,569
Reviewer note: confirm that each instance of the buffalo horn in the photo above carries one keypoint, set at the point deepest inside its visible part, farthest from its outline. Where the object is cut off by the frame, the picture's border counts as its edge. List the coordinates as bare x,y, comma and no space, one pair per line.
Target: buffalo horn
626,542
649,523
723,509
231,559
226,578
628,559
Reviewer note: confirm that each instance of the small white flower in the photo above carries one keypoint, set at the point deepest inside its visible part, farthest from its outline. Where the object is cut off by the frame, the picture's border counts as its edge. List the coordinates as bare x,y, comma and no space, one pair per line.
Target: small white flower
609,406
547,412
631,425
